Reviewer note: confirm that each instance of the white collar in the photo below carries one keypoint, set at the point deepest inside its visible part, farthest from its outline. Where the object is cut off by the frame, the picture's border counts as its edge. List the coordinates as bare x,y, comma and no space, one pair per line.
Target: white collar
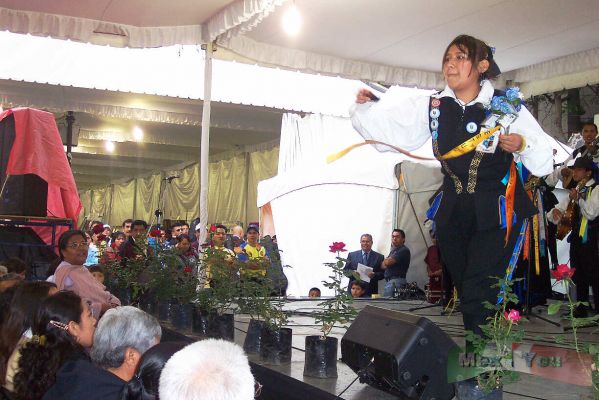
484,96
590,182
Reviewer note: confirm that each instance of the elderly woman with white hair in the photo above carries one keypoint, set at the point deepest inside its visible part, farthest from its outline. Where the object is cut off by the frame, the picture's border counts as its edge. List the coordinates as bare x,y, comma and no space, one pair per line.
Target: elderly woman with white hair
122,336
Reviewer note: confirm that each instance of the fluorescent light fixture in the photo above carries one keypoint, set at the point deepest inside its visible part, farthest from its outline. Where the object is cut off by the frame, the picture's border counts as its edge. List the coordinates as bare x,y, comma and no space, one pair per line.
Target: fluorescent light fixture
138,134
109,146
292,20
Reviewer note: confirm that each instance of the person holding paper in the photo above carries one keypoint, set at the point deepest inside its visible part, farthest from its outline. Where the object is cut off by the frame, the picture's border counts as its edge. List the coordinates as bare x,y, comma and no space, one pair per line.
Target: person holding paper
368,257
396,265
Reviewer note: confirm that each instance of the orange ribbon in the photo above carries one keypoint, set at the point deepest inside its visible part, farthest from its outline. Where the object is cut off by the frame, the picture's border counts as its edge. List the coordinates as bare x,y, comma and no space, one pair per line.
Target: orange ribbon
510,191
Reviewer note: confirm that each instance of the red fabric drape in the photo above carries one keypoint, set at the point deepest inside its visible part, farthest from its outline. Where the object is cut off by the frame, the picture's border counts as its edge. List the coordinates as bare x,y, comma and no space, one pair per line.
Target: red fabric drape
38,150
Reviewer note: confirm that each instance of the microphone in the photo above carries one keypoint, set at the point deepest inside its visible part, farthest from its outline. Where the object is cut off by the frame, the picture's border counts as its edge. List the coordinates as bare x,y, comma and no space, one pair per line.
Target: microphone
170,178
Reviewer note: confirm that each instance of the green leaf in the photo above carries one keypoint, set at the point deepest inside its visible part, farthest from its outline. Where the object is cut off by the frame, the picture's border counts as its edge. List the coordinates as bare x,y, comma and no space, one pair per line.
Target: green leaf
554,308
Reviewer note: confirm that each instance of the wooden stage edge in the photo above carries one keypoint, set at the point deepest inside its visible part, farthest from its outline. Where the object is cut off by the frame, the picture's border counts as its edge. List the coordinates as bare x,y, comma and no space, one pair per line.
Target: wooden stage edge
282,382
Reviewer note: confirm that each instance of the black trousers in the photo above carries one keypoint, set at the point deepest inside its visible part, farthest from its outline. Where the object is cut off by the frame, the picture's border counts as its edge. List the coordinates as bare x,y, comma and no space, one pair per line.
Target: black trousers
474,259
584,257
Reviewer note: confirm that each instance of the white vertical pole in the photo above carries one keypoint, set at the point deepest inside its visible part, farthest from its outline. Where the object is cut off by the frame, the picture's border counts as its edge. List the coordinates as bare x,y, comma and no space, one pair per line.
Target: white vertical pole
205,143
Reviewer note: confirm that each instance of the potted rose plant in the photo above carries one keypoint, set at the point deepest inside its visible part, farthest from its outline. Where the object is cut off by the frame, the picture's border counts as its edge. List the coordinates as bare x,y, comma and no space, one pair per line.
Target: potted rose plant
321,350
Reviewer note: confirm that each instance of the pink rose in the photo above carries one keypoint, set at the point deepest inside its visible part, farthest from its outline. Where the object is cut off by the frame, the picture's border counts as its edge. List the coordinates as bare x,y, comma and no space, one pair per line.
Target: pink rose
337,246
563,272
512,316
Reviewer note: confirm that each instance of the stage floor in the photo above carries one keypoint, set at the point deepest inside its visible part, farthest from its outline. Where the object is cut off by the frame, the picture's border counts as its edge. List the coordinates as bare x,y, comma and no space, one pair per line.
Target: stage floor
289,378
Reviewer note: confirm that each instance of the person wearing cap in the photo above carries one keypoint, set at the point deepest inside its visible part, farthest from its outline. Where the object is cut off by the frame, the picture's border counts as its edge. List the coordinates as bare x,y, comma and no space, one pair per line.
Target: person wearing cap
253,253
476,235
583,238
589,149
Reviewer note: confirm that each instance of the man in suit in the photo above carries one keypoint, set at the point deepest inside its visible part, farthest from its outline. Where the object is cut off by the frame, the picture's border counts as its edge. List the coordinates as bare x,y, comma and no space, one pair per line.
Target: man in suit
368,257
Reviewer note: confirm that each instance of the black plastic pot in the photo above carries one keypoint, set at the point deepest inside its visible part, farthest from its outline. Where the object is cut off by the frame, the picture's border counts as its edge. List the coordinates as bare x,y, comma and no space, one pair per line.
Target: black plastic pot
213,325
321,357
164,310
469,390
275,345
182,316
251,344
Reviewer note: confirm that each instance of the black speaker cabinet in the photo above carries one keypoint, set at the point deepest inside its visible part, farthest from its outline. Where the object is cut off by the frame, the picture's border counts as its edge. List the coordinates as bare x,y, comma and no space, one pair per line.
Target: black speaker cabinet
23,194
400,353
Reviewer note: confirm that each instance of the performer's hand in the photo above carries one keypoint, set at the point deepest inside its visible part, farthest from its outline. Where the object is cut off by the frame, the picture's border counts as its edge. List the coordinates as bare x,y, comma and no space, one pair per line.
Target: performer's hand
363,96
573,194
557,214
371,274
510,143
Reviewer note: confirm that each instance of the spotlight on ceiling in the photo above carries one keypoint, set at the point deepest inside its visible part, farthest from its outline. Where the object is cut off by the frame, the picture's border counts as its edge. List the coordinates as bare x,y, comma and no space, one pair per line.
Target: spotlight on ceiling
292,20
109,146
138,134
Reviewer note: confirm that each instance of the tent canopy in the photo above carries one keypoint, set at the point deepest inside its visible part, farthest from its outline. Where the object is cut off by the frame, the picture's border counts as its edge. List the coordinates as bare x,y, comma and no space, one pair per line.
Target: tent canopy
550,43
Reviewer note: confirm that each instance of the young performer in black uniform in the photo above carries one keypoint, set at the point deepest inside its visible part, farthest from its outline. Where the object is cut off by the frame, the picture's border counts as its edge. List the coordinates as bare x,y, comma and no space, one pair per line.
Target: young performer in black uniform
472,213
583,238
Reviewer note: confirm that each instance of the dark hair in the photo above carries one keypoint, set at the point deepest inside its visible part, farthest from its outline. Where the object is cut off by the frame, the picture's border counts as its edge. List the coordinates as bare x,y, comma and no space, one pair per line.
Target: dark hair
16,265
477,51
64,239
359,283
115,236
144,385
39,362
314,288
402,233
368,235
185,224
96,268
53,266
22,309
182,237
127,221
139,222
581,126
221,226
176,224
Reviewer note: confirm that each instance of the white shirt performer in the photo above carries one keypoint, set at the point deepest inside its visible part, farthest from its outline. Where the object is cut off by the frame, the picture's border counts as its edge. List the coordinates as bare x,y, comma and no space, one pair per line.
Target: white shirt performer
481,206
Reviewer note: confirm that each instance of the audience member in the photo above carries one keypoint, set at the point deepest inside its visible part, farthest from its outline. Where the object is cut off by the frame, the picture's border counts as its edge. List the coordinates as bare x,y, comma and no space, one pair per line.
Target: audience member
368,257
314,292
16,266
135,245
127,227
185,228
397,263
62,330
72,275
93,248
15,332
111,253
358,289
176,229
123,335
145,383
98,273
209,370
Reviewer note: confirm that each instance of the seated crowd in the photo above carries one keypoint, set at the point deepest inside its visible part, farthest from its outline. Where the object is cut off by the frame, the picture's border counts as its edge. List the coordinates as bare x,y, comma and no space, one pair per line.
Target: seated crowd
70,338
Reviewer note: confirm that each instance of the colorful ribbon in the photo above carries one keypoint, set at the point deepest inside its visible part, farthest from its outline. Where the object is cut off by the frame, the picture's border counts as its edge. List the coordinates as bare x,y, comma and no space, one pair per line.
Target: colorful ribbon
513,260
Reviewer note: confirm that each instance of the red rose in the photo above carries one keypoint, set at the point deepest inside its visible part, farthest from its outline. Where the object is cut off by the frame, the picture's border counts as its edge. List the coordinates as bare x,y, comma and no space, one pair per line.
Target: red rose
563,272
155,233
513,316
187,269
212,228
99,228
336,247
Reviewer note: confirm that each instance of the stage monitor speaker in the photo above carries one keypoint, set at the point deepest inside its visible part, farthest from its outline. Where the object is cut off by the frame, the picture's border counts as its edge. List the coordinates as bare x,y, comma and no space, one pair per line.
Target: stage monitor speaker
21,194
400,353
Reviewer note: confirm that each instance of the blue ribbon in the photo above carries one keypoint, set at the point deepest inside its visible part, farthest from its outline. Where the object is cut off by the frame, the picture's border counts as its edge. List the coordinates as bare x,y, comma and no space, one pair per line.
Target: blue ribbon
513,260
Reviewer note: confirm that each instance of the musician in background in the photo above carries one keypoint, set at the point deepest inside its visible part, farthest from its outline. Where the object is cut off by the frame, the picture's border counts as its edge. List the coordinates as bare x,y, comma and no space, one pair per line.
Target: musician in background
583,204
590,149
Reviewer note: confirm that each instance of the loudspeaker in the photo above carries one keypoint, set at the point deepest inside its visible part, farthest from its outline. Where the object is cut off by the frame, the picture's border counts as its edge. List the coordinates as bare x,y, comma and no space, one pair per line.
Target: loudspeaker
23,194
400,353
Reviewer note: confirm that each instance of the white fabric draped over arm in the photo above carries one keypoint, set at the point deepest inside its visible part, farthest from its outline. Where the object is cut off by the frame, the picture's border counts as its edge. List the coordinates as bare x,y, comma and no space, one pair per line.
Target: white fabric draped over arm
537,157
398,120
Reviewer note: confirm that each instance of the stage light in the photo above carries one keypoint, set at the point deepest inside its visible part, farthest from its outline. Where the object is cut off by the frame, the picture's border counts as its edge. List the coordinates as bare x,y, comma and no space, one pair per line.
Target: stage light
138,134
109,146
292,20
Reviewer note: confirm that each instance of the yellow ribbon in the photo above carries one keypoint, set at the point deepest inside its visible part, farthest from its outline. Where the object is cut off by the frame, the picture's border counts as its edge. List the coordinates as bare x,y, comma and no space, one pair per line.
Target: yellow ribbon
463,148
535,232
584,221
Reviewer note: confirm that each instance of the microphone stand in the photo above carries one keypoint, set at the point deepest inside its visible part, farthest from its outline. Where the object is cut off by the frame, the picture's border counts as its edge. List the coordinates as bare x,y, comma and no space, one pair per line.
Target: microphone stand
159,213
